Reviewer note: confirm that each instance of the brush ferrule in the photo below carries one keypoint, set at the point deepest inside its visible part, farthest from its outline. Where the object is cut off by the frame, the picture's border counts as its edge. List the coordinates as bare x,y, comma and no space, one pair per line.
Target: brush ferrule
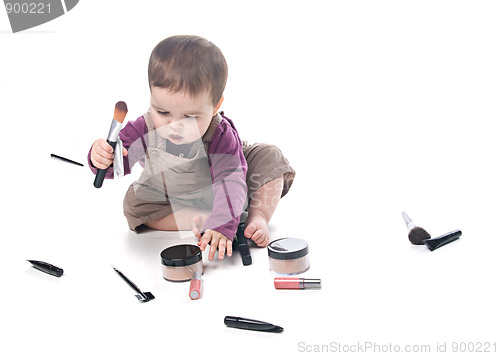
114,131
410,226
409,223
118,167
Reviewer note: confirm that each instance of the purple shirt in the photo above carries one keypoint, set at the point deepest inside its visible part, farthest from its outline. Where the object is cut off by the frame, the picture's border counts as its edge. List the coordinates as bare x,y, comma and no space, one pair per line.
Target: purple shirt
228,175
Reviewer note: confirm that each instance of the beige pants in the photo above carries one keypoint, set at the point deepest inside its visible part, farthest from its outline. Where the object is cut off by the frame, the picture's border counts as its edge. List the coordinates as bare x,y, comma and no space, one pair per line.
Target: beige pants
265,163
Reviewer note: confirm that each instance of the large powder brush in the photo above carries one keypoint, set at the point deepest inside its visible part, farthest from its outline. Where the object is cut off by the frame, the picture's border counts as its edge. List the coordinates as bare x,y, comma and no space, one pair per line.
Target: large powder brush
114,131
416,234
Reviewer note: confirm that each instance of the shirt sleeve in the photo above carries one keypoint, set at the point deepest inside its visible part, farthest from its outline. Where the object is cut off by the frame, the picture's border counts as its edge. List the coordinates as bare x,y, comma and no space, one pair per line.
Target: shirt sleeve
133,136
228,168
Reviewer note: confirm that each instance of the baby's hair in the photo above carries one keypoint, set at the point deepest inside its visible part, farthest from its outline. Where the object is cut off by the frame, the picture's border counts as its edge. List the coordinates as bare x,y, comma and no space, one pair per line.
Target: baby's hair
188,63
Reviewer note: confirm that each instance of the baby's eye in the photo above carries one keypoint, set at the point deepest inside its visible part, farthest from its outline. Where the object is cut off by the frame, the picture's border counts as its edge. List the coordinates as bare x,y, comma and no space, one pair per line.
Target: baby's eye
190,116
162,112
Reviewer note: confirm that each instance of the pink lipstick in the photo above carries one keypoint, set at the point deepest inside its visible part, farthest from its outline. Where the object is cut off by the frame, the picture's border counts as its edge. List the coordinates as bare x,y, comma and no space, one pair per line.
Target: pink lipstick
296,283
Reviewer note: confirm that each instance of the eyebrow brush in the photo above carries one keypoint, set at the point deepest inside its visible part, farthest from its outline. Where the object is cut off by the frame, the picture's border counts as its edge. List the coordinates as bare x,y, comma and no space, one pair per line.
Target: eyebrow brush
142,296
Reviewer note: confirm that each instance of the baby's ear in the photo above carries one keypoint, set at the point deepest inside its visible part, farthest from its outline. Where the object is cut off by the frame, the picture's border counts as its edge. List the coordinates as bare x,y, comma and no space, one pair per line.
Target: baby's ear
217,107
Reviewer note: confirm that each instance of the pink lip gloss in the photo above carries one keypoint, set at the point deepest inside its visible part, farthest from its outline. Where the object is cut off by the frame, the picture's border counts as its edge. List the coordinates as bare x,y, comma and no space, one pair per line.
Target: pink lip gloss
296,283
195,286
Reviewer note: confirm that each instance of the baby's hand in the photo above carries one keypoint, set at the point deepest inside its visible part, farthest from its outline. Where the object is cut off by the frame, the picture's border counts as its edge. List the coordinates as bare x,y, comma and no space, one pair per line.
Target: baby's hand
217,240
102,154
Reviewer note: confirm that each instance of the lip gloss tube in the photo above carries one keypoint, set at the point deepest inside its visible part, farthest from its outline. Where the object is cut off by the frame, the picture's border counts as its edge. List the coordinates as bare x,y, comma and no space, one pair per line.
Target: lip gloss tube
296,283
195,286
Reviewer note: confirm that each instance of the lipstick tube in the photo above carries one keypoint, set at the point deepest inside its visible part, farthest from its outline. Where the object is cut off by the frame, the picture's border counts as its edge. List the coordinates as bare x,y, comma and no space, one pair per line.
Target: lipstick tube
296,283
195,286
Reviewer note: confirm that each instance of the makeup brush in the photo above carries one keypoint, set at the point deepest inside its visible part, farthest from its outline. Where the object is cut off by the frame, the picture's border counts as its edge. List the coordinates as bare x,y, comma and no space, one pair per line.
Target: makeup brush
120,113
416,234
142,296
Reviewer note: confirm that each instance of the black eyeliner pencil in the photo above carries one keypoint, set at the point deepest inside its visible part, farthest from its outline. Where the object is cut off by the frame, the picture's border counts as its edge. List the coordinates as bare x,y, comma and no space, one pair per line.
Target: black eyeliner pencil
65,159
47,268
251,324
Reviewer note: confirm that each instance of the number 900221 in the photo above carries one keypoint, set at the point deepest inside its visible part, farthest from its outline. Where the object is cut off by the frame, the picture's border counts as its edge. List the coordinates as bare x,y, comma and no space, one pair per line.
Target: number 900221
27,8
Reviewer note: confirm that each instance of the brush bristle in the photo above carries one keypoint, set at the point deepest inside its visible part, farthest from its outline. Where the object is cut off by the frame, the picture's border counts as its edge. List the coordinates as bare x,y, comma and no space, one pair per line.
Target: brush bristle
417,235
120,111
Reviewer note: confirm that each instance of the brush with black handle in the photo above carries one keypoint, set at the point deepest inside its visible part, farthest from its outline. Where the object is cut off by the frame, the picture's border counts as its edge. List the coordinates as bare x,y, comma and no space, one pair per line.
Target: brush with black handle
116,125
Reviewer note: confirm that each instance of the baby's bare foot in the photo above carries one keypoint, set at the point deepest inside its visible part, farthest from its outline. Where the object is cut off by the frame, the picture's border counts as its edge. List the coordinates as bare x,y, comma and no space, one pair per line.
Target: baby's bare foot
257,230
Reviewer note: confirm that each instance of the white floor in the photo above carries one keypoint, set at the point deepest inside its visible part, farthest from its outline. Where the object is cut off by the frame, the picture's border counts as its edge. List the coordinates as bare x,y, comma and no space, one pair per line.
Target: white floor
380,107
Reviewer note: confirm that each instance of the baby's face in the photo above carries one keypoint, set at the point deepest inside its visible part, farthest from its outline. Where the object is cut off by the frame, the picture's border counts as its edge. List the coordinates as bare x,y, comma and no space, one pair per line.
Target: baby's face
179,117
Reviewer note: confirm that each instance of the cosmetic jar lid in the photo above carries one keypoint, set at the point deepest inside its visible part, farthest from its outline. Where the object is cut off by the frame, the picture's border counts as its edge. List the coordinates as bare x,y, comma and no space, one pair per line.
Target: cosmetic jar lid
180,255
287,248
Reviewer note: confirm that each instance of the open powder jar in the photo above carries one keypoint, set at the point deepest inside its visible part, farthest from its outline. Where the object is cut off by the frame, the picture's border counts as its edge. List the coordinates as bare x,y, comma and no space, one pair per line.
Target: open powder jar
288,256
180,262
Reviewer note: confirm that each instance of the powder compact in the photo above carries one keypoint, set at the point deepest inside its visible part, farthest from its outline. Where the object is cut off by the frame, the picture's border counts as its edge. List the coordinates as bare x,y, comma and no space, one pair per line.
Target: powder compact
288,256
180,262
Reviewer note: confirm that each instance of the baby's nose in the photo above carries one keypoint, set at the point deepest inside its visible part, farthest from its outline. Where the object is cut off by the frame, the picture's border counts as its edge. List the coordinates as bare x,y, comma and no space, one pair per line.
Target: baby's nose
175,123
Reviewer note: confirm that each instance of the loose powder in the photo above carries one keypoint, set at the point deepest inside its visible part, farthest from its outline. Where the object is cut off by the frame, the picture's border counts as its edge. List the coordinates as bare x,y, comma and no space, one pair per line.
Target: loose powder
179,262
288,256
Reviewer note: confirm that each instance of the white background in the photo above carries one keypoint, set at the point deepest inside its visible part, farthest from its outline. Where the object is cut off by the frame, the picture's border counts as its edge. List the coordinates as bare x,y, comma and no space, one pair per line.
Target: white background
380,106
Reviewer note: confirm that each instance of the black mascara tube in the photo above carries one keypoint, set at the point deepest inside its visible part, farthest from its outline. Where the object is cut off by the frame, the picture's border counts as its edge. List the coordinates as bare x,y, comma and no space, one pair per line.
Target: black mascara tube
242,242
